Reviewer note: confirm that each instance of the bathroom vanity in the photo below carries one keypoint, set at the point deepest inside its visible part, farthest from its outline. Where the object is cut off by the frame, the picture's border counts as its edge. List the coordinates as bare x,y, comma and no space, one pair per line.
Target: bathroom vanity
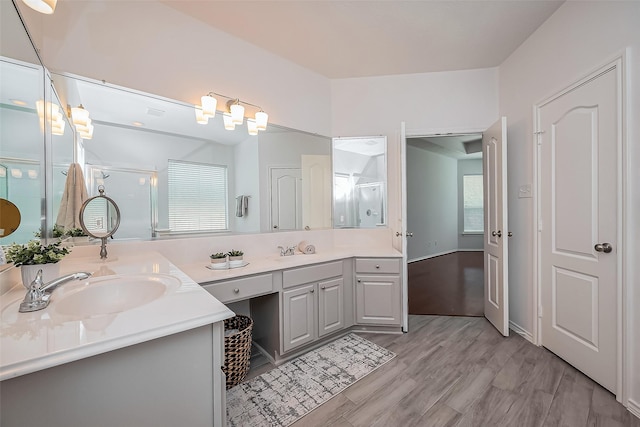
104,353
300,301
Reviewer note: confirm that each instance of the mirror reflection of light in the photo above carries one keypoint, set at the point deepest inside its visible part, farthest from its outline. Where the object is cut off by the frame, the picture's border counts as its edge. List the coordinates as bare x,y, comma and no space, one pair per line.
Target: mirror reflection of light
156,268
33,174
142,181
16,173
18,102
3,172
100,181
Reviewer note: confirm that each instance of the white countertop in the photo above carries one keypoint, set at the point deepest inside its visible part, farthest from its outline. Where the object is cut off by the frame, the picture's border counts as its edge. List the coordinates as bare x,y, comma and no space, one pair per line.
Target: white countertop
199,272
30,342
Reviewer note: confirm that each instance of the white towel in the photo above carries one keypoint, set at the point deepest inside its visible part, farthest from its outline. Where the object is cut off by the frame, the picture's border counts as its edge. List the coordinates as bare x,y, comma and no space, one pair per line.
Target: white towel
74,195
242,206
306,248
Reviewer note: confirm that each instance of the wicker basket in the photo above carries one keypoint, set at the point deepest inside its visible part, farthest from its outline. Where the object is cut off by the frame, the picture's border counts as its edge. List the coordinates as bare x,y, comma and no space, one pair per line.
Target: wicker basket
237,349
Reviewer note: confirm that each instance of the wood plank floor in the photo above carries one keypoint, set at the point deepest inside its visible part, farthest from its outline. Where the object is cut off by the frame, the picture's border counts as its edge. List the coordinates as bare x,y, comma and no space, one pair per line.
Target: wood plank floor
447,285
459,371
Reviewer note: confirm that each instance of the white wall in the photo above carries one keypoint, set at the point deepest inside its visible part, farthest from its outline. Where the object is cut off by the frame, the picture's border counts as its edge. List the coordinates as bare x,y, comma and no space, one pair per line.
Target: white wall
247,184
428,102
432,203
579,37
467,241
153,48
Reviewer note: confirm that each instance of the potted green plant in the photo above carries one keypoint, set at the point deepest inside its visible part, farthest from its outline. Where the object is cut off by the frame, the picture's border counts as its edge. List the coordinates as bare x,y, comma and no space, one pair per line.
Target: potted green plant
218,260
235,257
34,256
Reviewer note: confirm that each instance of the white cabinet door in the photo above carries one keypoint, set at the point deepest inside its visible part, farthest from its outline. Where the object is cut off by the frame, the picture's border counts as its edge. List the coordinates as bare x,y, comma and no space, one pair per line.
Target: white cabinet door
378,300
330,306
298,309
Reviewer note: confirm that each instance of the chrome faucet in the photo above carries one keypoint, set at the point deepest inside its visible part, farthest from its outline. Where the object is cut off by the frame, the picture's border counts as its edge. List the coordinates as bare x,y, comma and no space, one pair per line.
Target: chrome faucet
291,250
39,294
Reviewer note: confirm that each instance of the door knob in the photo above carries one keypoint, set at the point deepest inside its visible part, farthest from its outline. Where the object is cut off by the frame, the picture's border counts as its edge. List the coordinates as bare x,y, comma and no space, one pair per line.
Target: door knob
497,233
398,234
510,234
409,234
312,290
603,247
275,226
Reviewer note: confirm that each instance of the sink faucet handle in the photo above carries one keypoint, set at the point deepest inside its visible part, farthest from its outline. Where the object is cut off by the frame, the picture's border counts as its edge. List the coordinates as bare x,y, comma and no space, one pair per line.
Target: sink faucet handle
282,250
37,282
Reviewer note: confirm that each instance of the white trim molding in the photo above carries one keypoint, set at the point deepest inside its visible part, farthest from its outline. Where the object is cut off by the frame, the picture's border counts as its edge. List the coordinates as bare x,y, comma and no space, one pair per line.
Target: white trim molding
521,331
633,407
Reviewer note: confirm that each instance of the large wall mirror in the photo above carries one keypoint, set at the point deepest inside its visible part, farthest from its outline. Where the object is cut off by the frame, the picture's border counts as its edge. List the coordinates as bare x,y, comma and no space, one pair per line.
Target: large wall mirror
23,118
360,181
173,176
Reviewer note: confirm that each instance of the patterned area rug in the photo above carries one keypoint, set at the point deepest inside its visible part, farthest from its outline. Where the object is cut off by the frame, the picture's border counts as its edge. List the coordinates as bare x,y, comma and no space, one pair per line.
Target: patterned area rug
285,394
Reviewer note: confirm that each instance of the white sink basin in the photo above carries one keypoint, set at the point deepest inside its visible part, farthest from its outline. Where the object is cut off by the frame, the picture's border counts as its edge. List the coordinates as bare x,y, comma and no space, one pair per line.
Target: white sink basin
112,294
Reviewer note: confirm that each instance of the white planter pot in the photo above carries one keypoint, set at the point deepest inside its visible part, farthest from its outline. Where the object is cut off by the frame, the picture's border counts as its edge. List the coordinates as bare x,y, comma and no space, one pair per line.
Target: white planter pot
49,272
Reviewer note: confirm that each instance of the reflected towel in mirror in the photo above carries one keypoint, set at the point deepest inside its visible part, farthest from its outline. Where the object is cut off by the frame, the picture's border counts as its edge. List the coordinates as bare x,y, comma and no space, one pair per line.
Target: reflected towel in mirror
74,195
242,205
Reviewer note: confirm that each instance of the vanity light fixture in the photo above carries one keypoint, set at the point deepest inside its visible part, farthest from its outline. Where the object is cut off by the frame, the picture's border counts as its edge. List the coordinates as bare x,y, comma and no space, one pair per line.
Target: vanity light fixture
16,173
50,113
235,111
43,6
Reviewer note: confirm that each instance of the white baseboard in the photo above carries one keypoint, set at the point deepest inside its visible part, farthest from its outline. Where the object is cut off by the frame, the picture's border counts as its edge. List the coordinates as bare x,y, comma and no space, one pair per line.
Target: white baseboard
431,256
470,250
634,407
521,331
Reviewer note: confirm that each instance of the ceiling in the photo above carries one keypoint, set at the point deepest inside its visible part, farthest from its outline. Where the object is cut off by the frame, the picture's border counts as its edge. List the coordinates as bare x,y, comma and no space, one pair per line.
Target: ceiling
461,147
358,38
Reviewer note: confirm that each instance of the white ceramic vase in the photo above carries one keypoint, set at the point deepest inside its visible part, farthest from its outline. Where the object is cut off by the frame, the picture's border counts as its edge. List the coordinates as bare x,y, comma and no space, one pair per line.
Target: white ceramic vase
49,272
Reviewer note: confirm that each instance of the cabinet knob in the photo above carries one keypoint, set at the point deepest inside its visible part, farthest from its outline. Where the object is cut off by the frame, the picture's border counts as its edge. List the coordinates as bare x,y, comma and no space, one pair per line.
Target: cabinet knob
312,290
377,266
236,291
321,287
359,280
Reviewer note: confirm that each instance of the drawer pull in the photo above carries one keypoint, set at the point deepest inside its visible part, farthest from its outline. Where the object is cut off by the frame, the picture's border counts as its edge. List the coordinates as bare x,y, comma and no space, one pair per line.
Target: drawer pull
321,287
377,265
359,280
236,291
312,290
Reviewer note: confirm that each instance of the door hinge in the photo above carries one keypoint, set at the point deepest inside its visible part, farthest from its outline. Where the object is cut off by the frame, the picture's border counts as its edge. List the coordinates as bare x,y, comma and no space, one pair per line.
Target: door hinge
540,312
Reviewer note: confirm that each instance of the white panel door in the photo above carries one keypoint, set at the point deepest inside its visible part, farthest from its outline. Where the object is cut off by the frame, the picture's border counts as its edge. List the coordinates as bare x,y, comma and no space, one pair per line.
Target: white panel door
496,287
330,306
298,314
286,199
578,207
316,191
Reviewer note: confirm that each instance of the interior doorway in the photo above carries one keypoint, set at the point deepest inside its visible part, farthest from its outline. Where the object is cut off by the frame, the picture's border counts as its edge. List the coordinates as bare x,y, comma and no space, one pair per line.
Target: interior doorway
445,222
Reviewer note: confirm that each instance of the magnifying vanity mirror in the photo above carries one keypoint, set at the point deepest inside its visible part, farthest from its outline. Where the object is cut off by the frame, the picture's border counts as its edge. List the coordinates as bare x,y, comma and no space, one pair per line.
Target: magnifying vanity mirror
100,218
9,217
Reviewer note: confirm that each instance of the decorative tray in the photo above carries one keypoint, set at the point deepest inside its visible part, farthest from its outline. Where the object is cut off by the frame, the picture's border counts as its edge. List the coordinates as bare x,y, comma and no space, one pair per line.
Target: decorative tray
227,266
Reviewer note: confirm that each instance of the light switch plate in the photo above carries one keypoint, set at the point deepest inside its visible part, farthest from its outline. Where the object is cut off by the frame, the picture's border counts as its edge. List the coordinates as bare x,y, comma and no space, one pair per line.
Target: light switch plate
524,192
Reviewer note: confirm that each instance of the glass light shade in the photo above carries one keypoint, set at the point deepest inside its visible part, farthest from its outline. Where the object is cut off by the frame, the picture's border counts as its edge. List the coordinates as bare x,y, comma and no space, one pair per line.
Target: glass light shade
252,127
42,6
237,113
262,119
84,128
88,134
3,172
33,174
200,117
57,128
209,104
79,116
16,173
228,122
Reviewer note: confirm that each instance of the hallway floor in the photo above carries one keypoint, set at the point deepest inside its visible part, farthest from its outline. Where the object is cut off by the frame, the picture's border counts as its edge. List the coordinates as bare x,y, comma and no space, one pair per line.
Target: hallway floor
447,285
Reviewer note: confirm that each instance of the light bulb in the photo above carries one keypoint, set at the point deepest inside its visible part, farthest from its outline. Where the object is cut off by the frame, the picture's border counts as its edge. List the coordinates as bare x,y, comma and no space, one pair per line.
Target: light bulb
43,6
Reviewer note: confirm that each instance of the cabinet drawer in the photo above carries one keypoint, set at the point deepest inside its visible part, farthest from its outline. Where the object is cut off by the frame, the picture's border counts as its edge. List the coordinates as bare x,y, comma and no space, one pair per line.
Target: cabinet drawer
313,273
378,265
239,289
